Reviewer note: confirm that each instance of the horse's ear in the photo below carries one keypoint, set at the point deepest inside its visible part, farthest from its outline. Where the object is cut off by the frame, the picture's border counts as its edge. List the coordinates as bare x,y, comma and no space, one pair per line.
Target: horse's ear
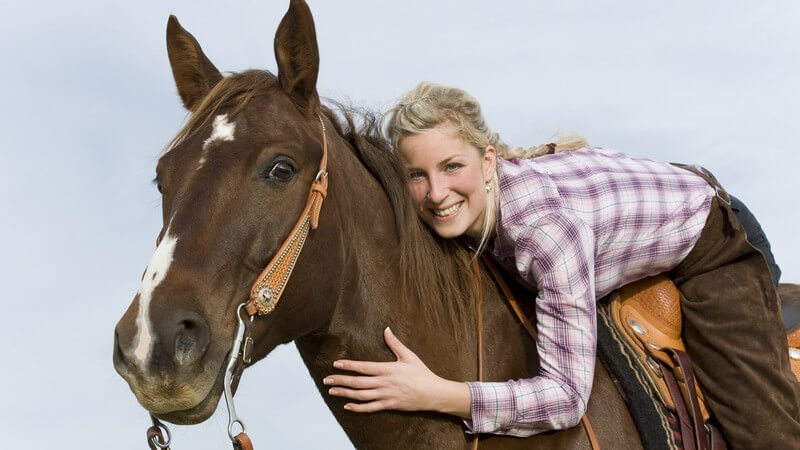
298,56
194,74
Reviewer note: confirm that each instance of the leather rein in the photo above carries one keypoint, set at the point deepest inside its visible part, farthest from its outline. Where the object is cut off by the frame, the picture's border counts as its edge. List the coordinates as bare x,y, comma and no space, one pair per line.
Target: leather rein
267,291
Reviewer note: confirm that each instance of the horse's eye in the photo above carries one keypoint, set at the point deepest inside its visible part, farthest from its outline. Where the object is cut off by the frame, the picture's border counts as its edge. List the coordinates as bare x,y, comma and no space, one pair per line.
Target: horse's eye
282,171
157,182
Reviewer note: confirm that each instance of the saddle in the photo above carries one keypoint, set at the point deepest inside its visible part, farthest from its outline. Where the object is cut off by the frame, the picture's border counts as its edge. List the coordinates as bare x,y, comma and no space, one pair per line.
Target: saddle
647,315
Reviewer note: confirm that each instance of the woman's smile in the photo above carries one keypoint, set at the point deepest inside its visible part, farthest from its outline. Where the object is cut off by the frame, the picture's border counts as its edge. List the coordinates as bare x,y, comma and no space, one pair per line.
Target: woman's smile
446,214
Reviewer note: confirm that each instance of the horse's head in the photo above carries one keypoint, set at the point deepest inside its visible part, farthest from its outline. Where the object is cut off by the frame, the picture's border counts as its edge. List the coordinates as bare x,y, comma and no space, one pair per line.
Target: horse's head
233,183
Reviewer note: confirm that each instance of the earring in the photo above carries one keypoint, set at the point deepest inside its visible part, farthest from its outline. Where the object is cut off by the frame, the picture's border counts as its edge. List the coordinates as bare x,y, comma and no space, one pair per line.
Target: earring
488,186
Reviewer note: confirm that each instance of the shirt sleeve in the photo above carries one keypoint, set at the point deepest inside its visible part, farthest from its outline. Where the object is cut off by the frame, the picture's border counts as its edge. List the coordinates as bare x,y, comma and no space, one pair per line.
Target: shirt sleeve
558,252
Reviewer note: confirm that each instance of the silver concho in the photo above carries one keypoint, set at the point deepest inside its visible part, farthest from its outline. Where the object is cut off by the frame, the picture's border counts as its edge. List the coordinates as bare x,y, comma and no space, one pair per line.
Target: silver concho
265,298
637,327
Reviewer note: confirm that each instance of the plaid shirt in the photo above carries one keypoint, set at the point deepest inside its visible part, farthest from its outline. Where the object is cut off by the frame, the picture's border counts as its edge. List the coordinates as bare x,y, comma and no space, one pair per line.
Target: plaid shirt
578,225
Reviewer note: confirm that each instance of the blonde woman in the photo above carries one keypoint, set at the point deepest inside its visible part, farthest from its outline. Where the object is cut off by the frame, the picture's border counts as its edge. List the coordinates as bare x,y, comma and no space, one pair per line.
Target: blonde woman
577,225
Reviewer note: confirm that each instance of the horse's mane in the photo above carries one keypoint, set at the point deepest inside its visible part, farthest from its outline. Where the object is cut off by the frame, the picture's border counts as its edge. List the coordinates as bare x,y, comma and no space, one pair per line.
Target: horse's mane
436,272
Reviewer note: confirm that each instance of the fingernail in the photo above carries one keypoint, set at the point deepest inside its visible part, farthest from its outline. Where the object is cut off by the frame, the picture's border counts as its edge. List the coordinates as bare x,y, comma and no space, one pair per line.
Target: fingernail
332,391
327,381
347,406
389,330
338,364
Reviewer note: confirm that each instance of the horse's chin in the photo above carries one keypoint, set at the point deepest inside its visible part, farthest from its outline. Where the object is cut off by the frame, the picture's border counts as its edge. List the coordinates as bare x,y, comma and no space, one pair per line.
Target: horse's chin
198,413
201,411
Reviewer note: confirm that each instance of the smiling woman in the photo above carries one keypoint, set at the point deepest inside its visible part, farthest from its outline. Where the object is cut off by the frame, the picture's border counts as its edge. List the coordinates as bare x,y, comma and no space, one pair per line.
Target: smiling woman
575,227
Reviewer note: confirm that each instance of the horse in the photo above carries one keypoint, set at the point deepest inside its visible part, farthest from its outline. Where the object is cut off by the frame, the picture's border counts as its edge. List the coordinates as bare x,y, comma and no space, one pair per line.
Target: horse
232,182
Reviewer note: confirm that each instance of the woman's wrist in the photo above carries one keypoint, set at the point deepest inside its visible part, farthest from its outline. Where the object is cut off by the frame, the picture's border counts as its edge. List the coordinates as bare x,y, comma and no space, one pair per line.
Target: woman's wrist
453,397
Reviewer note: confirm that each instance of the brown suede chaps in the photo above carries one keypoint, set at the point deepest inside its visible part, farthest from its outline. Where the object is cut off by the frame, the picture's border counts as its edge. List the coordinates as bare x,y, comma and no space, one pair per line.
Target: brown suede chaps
733,331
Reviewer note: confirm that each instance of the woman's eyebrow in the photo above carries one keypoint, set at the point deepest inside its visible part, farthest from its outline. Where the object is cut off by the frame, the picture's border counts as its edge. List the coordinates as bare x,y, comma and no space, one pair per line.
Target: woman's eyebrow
439,164
447,160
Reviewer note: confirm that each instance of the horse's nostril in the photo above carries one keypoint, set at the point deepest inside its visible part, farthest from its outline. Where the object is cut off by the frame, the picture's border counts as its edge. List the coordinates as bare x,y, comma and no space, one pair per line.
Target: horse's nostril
119,355
191,340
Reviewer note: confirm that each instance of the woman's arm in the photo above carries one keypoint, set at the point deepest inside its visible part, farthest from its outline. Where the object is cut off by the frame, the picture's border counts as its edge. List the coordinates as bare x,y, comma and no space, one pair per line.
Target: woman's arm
557,252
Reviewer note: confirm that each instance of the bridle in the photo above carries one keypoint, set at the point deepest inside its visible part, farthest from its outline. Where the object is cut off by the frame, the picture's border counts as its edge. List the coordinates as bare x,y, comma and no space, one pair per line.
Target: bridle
266,292
264,296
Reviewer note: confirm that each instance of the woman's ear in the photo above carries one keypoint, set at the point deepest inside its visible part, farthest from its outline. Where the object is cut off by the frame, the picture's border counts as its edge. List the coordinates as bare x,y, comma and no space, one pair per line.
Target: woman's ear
489,162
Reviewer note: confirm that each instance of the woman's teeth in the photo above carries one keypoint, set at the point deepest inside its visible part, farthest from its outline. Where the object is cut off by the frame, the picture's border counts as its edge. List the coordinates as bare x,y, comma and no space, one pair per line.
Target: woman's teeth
447,211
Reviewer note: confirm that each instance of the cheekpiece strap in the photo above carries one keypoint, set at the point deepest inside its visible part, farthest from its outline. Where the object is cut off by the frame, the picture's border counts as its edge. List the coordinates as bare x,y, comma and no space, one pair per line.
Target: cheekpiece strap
269,286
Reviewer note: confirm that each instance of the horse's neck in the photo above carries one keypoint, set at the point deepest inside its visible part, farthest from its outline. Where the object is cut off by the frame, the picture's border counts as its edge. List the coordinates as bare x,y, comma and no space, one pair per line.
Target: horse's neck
368,303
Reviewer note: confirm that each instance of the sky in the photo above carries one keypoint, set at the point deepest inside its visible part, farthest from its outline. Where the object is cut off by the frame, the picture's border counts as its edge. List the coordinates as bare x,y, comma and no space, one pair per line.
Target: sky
90,102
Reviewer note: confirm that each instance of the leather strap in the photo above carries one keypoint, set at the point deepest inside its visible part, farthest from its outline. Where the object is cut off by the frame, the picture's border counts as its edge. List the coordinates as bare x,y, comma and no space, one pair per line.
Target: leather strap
590,432
242,442
687,371
269,286
476,274
684,419
154,433
717,441
498,278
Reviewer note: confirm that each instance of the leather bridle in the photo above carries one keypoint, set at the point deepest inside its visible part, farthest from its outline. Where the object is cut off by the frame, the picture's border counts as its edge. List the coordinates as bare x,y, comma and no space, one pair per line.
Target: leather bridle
264,296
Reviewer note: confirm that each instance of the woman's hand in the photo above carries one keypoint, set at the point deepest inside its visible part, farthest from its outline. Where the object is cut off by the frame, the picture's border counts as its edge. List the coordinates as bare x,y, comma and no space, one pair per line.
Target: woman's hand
406,384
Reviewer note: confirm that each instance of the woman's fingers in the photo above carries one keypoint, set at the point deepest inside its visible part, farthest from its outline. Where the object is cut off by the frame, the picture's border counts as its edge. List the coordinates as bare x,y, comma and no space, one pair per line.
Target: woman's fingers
363,367
352,382
400,351
363,395
378,405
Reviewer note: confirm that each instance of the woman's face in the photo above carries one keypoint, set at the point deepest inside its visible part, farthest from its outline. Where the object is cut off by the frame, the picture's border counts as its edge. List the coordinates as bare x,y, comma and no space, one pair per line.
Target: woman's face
447,180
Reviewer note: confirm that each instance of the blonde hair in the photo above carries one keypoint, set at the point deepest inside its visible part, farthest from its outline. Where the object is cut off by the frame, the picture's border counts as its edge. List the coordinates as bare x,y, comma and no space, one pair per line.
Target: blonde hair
429,105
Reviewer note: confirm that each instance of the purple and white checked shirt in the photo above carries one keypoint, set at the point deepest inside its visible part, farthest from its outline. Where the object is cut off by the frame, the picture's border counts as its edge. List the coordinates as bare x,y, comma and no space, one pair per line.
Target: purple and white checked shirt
579,225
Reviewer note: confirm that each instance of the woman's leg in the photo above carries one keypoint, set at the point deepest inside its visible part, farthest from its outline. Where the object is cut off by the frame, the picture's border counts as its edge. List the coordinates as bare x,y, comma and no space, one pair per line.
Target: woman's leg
733,331
756,237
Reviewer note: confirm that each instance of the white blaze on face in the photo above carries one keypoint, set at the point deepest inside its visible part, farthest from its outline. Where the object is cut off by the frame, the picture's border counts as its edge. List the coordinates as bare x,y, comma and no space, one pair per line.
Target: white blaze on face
153,276
222,131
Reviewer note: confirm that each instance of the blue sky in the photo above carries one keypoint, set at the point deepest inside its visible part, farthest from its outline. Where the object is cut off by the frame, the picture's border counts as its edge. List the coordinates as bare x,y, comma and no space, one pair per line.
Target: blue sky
90,102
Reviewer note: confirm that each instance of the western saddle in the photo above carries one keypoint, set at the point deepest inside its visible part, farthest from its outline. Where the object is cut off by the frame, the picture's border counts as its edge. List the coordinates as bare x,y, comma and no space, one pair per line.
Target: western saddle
648,316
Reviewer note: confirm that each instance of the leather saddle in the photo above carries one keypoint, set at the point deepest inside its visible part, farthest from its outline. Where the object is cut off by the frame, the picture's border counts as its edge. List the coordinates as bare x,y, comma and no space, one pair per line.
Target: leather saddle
648,316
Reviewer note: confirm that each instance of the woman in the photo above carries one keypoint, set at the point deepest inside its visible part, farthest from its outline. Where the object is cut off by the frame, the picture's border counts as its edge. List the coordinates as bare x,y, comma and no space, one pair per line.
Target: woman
578,225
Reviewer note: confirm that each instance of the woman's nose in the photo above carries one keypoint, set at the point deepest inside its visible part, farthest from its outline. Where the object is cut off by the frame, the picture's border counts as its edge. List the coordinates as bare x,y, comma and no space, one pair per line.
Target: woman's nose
437,191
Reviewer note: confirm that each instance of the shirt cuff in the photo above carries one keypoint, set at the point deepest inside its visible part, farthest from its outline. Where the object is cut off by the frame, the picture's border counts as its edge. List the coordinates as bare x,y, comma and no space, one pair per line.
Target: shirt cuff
493,408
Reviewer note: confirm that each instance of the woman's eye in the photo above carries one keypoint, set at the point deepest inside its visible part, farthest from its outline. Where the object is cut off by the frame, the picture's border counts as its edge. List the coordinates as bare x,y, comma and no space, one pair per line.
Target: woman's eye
414,176
282,171
452,167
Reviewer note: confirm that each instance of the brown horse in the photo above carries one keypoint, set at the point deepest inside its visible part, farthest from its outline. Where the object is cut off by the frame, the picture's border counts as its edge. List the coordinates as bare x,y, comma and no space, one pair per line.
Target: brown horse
233,181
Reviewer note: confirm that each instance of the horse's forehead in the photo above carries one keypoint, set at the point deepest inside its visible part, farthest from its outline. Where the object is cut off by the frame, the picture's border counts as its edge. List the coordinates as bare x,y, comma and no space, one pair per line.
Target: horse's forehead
222,129
263,121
